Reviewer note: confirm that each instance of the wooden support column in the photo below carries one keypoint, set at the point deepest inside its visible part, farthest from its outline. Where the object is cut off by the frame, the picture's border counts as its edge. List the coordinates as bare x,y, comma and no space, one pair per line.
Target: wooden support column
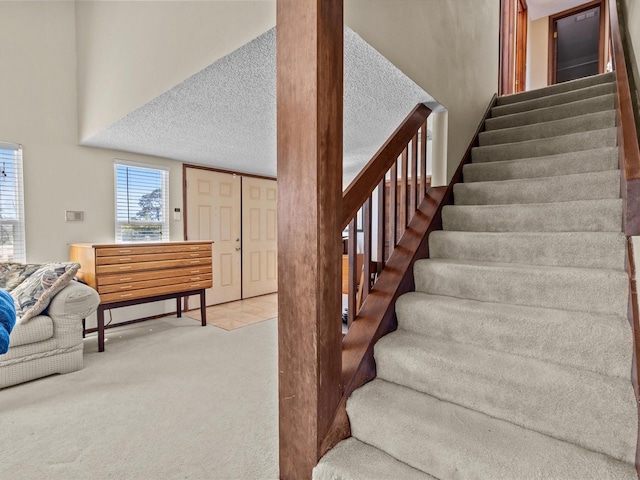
309,118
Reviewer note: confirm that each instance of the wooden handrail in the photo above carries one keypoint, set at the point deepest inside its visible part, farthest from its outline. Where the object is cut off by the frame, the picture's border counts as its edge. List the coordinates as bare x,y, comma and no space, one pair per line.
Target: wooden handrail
629,153
377,315
374,171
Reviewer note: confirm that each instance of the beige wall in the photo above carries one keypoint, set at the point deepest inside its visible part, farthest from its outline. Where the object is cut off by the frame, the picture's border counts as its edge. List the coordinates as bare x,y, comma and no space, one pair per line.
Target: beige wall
129,52
449,48
538,53
38,98
632,11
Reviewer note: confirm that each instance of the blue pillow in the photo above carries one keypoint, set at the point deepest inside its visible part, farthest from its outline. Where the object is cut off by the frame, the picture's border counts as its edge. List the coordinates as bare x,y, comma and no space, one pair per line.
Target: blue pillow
7,319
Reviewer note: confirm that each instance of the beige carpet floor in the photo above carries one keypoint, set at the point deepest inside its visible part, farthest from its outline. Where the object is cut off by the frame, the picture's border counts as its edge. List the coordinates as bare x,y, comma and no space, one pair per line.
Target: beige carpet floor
168,399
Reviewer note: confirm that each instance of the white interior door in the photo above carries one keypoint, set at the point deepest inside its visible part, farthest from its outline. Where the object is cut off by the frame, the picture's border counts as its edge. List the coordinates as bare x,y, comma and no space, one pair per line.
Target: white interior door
259,237
213,213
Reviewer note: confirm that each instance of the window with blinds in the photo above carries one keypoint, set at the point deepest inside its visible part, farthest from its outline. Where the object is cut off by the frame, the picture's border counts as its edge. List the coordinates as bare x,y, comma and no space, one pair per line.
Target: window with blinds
142,202
12,239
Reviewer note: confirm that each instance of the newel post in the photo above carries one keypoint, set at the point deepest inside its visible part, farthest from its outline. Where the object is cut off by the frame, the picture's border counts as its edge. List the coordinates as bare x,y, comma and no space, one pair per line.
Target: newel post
309,118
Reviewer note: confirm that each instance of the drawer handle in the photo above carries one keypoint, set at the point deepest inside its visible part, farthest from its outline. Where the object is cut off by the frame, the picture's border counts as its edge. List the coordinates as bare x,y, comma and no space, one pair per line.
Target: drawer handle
125,279
195,254
125,251
126,259
125,267
195,271
195,279
193,248
125,287
194,262
127,295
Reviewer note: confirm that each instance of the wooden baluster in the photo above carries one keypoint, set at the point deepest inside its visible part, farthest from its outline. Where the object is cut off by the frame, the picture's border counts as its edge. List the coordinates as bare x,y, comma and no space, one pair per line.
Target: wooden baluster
423,160
352,248
393,208
404,191
366,226
382,227
414,174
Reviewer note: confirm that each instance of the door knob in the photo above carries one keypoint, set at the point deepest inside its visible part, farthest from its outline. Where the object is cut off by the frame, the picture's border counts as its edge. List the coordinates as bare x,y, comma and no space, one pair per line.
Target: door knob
238,249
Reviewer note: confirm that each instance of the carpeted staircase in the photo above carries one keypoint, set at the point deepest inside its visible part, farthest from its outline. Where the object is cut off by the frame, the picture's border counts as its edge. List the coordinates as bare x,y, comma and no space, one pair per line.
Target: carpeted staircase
512,358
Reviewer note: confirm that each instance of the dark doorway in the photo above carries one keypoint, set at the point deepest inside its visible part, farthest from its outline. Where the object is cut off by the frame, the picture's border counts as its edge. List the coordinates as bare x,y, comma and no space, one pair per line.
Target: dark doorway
576,42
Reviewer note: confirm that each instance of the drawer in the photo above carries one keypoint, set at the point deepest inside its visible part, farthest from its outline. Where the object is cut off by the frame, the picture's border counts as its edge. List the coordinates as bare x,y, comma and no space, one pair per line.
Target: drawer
158,282
145,249
151,257
151,275
160,265
150,292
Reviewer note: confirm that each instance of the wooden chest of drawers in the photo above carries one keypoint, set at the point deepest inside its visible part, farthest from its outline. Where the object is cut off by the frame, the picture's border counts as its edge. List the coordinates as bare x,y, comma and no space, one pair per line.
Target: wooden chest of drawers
126,274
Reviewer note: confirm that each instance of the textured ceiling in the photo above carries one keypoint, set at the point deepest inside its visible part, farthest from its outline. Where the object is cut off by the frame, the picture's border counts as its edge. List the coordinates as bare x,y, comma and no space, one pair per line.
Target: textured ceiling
225,115
544,8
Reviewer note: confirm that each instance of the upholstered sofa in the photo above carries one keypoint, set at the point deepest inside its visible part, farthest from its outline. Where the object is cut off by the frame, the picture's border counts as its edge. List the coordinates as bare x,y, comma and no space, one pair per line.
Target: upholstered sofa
47,337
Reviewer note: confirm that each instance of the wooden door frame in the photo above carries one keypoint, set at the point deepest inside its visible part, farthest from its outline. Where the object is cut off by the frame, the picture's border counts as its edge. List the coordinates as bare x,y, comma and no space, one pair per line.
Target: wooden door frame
553,50
513,46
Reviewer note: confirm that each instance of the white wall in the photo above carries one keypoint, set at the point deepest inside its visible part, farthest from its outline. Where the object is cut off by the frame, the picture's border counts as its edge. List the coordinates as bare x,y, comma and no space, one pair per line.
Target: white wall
39,111
129,52
538,53
449,48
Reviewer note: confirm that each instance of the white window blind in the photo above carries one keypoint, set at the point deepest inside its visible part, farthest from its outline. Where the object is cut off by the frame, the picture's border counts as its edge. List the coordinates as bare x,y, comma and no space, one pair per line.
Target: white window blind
142,202
12,238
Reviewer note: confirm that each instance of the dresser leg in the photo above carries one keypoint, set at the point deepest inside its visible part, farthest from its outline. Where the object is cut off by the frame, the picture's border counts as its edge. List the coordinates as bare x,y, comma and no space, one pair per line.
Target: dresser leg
178,306
100,313
203,307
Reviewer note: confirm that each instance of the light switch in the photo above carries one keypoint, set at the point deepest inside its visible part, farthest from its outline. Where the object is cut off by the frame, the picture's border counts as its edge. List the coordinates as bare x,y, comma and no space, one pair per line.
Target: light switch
73,216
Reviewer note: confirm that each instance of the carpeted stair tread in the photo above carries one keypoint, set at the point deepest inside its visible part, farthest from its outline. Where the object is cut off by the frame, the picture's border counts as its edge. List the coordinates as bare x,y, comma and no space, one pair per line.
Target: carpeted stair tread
556,99
595,160
565,126
565,188
559,249
556,112
580,289
450,441
578,216
603,345
354,460
558,88
573,142
529,393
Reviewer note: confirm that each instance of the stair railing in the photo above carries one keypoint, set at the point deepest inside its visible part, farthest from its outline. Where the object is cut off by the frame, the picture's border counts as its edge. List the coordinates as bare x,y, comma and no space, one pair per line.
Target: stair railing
403,157
377,316
629,162
629,156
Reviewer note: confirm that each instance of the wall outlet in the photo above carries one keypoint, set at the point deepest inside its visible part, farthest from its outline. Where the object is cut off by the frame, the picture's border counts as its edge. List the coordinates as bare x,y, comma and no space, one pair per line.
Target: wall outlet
73,216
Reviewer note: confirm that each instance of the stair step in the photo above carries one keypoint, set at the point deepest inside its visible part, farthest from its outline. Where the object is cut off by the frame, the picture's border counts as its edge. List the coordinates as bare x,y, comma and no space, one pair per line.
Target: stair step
595,160
579,289
556,112
565,188
565,126
579,216
529,393
559,249
573,142
354,460
603,345
451,441
554,99
558,88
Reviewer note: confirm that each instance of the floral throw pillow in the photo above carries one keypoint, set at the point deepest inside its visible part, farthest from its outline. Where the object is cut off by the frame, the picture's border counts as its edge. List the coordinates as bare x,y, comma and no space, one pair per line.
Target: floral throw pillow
13,274
33,295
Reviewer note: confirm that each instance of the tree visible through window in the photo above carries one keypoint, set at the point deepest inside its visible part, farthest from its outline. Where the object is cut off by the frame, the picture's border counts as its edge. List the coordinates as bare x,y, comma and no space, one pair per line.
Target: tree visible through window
12,238
142,207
